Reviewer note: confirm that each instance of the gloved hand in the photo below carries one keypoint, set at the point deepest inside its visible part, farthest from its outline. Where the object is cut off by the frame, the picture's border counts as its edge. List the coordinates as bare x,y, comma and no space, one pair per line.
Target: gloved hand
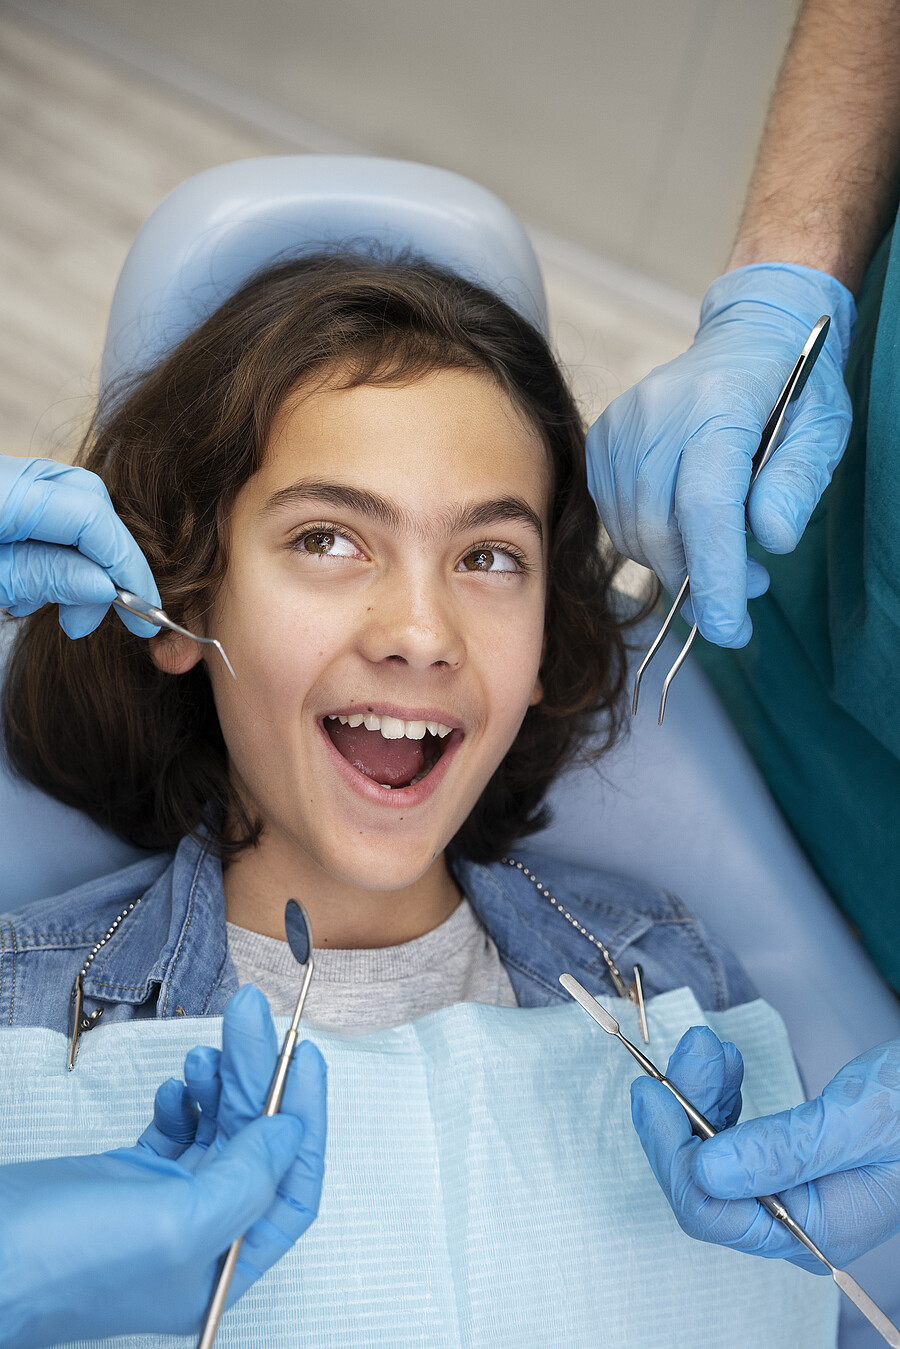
185,1113
669,460
43,505
128,1241
835,1160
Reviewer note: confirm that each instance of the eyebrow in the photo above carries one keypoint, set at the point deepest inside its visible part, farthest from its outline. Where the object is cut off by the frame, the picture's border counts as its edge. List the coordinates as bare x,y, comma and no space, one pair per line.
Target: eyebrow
458,521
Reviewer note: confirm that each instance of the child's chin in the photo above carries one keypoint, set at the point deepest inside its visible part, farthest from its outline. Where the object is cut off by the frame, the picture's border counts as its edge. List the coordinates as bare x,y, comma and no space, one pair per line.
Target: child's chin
373,863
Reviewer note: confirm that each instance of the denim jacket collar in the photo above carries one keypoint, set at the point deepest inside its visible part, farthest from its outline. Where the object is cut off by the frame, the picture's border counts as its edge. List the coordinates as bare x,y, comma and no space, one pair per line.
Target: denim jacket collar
151,940
538,940
175,936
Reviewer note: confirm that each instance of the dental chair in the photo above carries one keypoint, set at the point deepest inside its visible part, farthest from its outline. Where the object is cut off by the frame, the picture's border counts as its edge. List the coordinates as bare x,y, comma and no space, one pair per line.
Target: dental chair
682,806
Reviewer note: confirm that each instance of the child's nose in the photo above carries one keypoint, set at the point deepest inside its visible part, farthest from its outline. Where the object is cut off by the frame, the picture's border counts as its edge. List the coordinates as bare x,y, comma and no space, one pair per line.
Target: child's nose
413,619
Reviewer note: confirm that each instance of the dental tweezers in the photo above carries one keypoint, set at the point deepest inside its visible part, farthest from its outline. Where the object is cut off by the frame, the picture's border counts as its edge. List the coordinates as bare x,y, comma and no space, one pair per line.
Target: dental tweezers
125,599
767,446
701,1126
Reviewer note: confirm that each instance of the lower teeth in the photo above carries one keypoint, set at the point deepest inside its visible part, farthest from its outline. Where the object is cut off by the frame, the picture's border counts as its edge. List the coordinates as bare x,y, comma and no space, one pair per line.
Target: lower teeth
412,782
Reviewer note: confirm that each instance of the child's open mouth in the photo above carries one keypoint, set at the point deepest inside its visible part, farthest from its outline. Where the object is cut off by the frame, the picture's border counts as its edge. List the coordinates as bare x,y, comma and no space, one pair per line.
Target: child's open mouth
391,752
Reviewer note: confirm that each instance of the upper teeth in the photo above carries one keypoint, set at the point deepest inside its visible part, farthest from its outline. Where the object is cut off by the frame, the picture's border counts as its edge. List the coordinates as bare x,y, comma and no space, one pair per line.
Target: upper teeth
392,728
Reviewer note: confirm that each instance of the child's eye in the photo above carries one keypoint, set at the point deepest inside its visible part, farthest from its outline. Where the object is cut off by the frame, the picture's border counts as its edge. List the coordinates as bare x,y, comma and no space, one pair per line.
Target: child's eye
326,543
490,560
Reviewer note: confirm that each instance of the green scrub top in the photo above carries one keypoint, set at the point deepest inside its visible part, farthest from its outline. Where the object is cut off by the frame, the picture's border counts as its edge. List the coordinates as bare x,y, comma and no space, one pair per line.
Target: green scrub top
816,692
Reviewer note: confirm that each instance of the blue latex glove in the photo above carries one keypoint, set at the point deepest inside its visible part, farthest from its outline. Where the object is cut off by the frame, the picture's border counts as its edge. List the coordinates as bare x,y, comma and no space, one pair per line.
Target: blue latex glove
44,504
185,1114
128,1241
669,461
834,1160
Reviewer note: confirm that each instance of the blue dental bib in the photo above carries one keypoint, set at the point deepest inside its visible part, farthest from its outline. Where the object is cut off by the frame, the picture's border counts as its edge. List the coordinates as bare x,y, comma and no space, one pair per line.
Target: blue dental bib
484,1186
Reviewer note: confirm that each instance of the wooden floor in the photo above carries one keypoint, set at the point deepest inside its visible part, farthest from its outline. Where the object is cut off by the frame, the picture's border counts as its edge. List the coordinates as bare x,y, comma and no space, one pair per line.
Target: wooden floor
87,149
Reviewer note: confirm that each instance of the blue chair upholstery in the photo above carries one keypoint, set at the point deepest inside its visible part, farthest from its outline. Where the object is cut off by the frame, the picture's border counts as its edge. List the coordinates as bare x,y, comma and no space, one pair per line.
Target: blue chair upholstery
214,231
682,806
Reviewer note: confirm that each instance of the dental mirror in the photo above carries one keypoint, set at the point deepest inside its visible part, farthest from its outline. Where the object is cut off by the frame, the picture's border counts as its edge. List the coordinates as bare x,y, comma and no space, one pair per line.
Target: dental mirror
298,932
299,938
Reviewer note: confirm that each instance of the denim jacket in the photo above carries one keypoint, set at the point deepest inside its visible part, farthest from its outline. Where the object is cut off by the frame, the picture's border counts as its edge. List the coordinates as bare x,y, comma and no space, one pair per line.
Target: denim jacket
164,947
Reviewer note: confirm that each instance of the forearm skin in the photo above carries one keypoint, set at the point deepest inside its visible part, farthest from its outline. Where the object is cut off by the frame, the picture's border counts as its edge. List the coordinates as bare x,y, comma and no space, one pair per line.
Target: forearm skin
827,175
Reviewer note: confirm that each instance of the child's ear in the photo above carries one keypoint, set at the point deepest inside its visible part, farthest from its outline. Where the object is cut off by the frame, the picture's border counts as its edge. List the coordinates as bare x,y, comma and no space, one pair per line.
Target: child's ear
537,693
174,654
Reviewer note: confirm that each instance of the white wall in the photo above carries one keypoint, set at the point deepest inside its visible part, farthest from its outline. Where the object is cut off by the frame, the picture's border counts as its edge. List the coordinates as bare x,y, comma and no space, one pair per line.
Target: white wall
627,126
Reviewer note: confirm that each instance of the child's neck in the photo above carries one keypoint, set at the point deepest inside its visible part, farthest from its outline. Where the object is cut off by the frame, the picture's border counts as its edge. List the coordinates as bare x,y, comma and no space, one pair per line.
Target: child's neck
261,881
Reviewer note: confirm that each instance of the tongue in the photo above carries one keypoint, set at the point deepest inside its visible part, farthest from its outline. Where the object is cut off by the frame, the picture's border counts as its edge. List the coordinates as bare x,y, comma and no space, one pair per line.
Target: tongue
392,762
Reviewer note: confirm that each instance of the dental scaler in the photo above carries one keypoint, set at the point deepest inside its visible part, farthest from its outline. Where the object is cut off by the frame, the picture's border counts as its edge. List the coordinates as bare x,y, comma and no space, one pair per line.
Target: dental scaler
703,1129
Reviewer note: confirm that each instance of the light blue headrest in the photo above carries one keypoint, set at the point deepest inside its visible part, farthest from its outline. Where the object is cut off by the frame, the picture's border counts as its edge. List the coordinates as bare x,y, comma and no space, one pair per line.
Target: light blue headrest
216,230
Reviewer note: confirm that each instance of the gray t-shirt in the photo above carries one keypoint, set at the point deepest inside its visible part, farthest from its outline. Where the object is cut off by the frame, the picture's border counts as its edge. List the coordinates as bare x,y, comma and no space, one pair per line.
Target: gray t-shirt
390,986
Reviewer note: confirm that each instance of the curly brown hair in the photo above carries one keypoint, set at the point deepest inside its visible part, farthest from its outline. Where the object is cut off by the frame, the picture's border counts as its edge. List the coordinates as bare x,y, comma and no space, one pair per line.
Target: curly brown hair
98,726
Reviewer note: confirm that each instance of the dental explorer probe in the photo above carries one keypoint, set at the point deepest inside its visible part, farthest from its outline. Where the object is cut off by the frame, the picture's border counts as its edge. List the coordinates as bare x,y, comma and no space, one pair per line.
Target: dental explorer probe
299,938
703,1129
126,599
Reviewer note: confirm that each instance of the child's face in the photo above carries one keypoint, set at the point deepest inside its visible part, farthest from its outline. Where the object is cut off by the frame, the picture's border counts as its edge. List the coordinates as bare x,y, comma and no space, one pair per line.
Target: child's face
388,559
